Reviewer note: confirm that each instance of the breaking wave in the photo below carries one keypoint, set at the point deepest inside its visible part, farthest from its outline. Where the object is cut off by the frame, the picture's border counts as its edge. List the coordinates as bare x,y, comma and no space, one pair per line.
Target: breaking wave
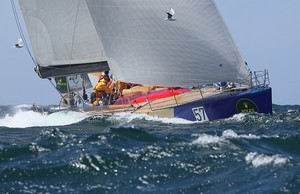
128,117
28,118
258,160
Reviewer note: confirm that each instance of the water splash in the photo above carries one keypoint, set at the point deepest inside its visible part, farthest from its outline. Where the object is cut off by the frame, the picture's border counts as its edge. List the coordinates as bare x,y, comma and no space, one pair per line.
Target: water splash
128,117
24,119
231,134
258,160
205,139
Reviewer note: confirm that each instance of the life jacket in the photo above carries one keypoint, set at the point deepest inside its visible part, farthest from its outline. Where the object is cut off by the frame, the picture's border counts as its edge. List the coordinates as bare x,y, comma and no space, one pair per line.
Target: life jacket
100,87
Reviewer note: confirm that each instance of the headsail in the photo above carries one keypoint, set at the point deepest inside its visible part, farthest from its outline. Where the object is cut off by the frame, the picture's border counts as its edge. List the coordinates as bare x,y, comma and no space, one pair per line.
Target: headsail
143,47
63,37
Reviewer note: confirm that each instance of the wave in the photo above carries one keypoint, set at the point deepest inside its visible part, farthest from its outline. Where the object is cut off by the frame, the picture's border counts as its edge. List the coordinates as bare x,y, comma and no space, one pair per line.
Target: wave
258,160
21,116
27,118
129,117
204,139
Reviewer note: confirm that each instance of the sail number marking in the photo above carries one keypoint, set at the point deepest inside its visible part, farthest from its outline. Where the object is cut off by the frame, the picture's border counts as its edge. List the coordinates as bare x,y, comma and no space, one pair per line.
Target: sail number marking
200,114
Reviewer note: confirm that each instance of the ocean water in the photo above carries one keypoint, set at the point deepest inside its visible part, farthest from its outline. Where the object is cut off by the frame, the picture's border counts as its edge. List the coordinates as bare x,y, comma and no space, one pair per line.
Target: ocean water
69,152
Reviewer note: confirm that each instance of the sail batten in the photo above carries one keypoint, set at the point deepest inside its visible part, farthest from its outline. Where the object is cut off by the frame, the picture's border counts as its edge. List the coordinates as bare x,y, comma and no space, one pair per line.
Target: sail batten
143,45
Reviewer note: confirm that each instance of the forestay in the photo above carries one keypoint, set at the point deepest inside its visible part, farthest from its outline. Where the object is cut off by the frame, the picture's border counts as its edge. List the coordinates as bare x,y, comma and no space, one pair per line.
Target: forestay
144,46
63,37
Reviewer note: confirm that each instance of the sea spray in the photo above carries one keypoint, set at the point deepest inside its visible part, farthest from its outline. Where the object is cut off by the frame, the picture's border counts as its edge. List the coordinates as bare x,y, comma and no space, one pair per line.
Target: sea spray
29,118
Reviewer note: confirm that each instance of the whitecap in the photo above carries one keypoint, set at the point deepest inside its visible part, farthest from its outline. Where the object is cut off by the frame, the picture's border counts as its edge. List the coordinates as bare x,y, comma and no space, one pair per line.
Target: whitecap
232,134
258,160
237,117
229,133
24,119
204,139
128,117
20,106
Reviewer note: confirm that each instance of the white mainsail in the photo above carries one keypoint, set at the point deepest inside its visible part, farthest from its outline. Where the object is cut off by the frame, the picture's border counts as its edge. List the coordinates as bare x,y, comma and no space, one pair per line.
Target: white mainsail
62,36
143,47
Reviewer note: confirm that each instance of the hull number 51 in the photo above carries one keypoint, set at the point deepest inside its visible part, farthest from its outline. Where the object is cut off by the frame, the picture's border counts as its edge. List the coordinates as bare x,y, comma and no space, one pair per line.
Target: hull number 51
200,114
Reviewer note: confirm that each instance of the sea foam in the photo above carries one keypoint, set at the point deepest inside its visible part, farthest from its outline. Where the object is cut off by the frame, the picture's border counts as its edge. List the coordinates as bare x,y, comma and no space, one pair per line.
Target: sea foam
205,139
128,117
24,119
258,160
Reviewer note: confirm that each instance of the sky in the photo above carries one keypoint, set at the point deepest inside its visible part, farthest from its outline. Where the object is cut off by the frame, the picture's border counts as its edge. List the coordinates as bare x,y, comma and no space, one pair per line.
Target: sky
267,33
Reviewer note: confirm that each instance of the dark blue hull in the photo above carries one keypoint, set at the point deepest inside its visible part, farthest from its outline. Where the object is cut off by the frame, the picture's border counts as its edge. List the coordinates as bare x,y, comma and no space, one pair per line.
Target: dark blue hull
258,100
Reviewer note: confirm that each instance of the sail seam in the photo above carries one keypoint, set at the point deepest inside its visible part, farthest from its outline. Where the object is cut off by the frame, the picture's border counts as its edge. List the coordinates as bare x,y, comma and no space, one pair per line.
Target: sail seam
74,29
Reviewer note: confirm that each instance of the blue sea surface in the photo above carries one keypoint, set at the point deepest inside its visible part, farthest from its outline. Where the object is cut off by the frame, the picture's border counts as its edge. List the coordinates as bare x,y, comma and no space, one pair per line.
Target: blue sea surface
70,152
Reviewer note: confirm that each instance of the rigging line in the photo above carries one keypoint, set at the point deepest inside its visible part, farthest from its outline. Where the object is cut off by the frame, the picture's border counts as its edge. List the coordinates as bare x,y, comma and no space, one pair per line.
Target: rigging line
14,12
25,42
19,25
20,30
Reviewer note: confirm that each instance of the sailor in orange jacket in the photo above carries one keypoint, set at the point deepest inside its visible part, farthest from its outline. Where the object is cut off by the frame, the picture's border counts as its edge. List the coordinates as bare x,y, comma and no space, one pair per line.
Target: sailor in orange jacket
121,86
101,87
118,87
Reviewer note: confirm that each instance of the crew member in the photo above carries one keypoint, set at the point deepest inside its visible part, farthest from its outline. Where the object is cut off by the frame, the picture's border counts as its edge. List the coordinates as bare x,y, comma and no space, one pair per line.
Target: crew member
117,87
101,87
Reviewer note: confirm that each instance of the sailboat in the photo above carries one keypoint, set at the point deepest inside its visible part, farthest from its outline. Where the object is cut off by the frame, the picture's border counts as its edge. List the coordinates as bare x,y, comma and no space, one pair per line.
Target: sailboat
186,64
